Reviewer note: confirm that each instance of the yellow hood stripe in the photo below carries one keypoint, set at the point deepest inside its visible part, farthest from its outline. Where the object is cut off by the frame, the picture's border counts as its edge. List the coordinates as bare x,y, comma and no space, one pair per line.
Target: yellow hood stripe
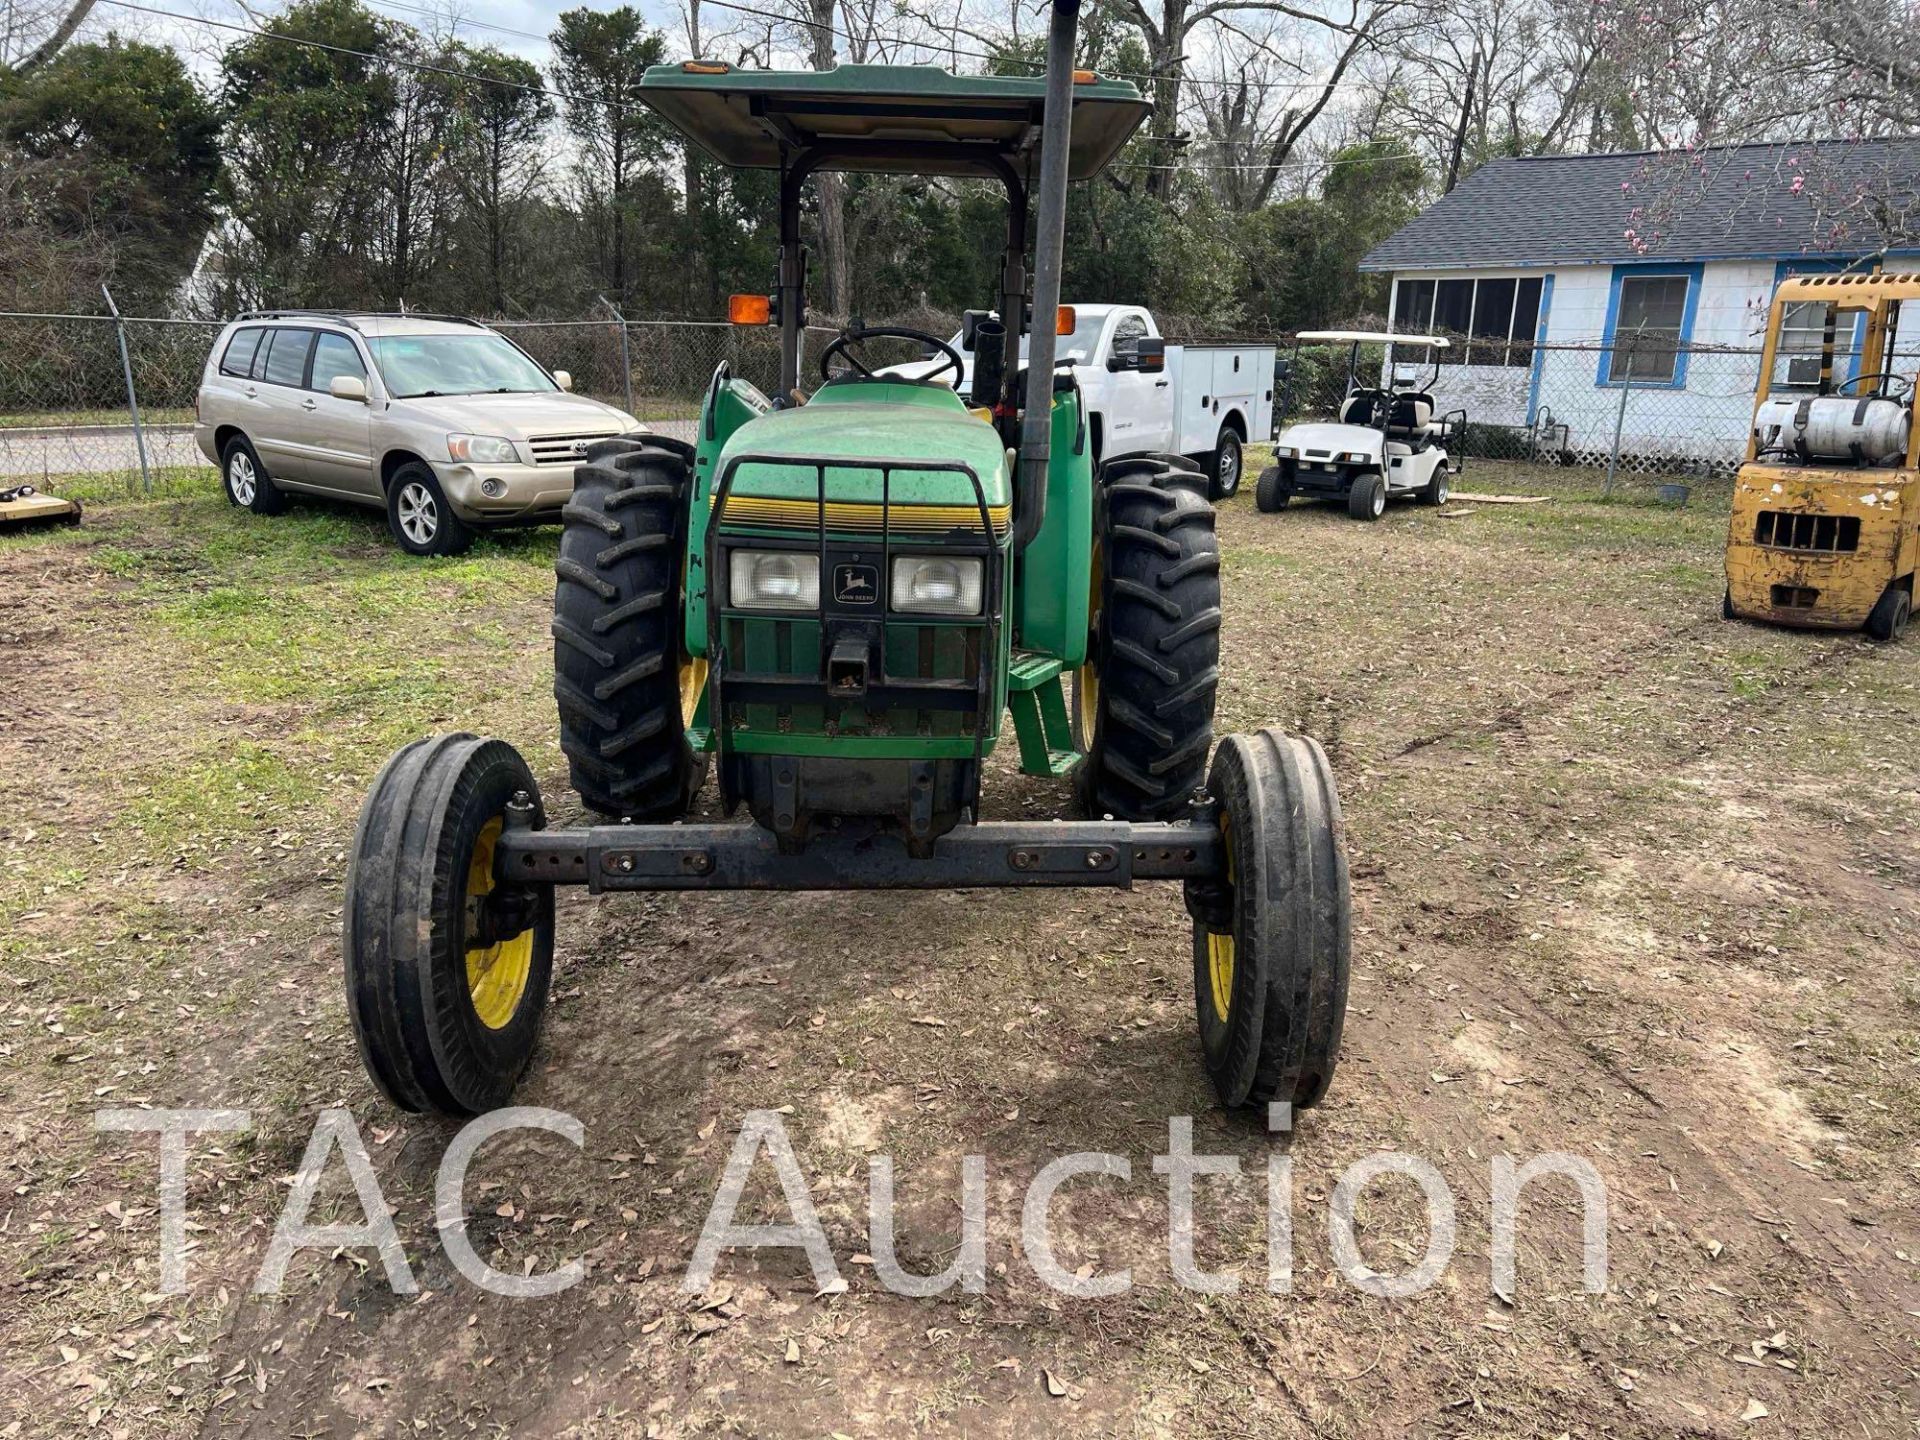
858,515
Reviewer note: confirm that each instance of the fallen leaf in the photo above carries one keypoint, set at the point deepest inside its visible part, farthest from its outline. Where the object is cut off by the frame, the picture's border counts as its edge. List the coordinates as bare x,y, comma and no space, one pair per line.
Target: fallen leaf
1754,1411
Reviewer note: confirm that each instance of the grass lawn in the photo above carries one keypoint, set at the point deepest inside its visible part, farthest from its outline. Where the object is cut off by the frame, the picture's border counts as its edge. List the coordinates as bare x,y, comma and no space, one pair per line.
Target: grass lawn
1631,883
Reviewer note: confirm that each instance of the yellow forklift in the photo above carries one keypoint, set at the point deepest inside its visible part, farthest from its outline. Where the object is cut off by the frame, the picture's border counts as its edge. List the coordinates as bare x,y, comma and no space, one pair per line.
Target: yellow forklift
1825,528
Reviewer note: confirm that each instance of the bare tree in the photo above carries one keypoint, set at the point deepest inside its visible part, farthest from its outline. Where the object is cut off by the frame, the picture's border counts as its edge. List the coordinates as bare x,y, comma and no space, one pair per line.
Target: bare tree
32,32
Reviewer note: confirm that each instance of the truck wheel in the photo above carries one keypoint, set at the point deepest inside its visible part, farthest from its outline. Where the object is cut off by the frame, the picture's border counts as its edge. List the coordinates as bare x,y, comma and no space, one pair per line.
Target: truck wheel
446,967
1143,702
1889,616
1271,491
1367,497
1224,465
1271,944
626,687
246,480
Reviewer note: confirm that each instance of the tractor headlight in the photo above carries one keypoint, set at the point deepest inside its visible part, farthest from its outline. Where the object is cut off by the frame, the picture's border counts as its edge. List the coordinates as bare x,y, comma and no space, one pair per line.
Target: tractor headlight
938,584
481,449
774,580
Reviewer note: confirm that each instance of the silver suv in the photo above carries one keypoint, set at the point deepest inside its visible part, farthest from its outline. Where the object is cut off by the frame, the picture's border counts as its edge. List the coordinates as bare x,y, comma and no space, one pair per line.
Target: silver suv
447,424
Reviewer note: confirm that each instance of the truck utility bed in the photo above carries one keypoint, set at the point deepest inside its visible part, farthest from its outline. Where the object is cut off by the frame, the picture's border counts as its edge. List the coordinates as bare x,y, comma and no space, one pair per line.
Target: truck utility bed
1219,378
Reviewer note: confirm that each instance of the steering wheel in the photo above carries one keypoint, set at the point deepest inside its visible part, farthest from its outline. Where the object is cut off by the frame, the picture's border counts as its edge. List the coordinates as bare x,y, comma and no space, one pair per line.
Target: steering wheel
1904,382
837,349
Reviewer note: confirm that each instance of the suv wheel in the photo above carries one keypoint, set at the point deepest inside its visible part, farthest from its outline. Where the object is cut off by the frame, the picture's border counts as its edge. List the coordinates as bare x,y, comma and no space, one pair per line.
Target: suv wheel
419,516
246,480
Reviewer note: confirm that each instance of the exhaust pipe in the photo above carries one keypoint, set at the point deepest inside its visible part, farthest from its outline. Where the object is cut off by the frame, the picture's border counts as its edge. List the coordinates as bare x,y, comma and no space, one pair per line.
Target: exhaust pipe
1036,429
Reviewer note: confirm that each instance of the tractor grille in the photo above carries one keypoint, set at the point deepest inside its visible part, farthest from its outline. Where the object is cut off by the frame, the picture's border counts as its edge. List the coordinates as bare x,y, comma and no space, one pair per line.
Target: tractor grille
564,449
1791,530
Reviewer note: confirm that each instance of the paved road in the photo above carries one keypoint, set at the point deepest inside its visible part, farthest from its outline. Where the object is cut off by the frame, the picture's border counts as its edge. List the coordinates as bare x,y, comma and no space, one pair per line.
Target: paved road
90,449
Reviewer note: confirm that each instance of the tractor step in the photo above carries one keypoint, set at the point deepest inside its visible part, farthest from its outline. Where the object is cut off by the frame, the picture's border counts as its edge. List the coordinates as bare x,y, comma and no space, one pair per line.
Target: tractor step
1040,716
1030,672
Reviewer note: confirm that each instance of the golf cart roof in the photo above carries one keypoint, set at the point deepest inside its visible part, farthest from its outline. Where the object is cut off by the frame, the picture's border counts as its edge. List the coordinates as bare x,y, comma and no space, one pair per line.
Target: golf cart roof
882,117
1371,337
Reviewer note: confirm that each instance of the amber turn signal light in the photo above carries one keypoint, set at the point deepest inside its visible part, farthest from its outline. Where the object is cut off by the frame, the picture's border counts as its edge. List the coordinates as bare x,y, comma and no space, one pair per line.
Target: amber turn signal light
1063,320
749,309
1085,77
704,67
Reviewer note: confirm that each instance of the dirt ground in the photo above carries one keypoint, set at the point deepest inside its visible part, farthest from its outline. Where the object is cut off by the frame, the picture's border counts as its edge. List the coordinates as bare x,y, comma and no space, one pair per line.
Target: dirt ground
1631,883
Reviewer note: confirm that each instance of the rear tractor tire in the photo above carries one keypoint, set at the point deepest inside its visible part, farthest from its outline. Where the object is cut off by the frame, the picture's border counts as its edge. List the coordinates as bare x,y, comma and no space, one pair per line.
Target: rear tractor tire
447,966
1271,944
1143,702
625,686
1271,491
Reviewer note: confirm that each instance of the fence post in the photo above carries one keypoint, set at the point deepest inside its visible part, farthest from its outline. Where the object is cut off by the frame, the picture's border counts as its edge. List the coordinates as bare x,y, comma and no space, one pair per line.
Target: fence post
133,400
626,357
1619,421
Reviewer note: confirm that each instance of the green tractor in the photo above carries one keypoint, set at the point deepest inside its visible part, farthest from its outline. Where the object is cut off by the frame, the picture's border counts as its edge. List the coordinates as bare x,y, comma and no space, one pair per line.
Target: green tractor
829,599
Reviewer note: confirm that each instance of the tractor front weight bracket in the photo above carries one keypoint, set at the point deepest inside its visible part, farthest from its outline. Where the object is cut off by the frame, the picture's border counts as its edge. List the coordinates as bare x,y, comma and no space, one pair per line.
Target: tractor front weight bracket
737,856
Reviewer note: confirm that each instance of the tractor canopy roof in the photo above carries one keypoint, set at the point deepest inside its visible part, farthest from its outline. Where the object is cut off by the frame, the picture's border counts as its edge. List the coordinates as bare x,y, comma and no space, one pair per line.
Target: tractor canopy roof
901,119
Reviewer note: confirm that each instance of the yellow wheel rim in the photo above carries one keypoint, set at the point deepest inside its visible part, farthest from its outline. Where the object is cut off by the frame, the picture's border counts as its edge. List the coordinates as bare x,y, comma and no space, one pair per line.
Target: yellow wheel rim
1220,947
496,974
693,683
1087,693
1220,963
1087,677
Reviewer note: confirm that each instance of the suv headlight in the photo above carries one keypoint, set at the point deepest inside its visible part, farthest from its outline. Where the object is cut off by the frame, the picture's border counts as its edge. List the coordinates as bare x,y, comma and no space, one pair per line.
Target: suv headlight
773,580
938,584
481,449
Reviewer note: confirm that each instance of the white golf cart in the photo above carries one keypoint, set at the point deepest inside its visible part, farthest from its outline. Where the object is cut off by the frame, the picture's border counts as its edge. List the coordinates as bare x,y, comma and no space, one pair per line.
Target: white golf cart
1386,441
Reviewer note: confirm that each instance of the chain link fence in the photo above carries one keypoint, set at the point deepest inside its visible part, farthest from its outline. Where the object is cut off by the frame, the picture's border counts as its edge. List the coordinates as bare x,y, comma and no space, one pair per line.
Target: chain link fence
1656,411
69,395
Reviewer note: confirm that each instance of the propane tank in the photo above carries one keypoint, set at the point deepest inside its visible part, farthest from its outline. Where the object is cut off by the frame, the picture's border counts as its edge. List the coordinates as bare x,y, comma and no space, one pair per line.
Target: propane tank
1861,429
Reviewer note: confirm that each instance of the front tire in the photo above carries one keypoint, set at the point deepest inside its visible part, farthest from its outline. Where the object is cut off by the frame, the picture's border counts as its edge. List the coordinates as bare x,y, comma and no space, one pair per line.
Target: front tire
1143,702
1272,941
1225,465
1271,491
447,967
246,481
422,521
1367,497
625,686
1888,619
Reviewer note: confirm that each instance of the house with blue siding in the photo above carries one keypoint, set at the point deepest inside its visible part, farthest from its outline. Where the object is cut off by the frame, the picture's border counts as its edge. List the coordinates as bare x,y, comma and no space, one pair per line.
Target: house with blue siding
1565,278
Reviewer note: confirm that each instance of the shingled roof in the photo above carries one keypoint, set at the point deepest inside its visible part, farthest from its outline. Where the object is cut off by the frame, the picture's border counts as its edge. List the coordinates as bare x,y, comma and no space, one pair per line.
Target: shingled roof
1834,197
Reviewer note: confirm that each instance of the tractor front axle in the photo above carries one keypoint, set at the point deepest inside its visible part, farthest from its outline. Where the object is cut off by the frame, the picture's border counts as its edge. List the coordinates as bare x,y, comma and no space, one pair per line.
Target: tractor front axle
744,856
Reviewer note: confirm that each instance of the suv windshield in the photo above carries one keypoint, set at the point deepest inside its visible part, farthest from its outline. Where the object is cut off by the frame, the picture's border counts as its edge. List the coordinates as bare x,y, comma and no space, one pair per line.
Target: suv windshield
478,364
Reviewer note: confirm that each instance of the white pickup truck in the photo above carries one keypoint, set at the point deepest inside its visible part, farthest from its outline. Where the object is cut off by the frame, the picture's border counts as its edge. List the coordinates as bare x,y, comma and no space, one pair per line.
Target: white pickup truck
1206,403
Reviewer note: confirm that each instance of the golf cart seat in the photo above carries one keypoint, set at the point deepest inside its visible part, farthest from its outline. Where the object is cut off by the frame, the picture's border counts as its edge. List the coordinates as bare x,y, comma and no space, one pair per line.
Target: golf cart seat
1362,407
1411,419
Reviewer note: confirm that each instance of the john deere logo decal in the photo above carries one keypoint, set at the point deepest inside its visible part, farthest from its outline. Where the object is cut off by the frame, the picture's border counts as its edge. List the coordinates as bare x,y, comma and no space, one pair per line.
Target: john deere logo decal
856,584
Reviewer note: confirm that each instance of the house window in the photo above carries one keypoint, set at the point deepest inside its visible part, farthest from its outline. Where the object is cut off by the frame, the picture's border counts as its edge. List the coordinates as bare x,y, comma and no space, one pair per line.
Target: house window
1496,316
1648,329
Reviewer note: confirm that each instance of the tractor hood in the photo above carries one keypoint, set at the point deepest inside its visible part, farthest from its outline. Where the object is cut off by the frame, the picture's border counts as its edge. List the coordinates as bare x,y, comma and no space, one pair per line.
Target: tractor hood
850,422
1324,441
